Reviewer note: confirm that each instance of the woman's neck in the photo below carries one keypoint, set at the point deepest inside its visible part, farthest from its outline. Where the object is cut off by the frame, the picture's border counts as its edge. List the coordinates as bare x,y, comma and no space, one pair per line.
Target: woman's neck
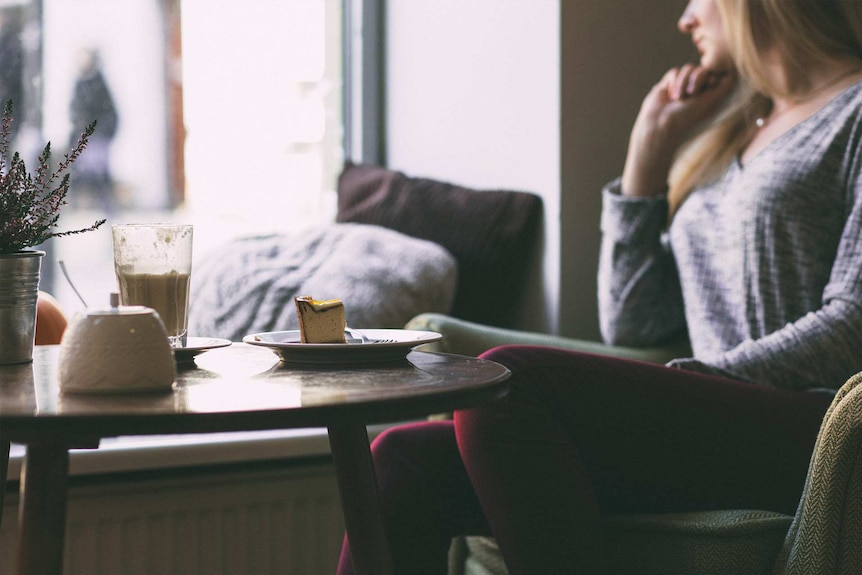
799,98
818,81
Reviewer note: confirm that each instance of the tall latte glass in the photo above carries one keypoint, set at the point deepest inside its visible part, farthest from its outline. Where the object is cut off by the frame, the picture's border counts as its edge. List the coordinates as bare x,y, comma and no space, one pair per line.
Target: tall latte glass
153,263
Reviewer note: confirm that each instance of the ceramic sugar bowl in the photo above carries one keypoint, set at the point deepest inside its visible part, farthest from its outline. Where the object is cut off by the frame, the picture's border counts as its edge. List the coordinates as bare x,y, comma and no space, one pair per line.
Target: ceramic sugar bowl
120,349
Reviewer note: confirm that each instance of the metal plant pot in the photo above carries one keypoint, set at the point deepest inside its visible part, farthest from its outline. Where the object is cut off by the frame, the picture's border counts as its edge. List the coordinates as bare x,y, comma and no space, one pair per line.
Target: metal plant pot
19,290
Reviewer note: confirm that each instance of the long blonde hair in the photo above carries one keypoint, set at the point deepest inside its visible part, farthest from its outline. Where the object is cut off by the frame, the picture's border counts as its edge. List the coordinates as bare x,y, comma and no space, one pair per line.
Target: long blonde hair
807,31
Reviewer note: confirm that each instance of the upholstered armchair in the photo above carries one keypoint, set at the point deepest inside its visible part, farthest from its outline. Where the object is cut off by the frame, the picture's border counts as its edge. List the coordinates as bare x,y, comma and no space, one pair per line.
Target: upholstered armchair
824,537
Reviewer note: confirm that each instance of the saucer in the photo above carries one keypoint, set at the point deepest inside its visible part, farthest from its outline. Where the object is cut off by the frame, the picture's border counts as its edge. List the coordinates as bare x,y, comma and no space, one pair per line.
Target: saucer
197,345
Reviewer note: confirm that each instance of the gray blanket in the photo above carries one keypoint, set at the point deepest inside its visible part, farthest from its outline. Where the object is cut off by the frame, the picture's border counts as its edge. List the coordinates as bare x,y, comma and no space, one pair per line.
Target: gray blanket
384,278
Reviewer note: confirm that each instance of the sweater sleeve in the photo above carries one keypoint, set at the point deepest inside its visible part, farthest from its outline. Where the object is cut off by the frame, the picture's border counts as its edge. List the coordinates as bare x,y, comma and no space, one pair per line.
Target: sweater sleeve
640,301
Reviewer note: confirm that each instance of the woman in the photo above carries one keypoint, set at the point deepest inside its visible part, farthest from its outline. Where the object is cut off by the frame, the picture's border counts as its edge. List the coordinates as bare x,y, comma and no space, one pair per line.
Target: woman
737,222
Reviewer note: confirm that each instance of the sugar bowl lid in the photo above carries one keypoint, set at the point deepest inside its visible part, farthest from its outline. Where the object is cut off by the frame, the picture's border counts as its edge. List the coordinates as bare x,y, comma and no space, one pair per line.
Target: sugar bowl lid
116,309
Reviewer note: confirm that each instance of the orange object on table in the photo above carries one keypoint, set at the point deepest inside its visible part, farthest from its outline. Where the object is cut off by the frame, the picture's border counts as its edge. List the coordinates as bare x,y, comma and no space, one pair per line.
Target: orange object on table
50,320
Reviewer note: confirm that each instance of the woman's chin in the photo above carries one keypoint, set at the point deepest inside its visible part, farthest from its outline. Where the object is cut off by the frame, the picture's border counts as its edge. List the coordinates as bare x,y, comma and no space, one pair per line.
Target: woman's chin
717,66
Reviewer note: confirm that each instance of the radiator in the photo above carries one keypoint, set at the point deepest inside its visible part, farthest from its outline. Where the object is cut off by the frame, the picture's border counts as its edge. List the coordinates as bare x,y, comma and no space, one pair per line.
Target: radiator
282,521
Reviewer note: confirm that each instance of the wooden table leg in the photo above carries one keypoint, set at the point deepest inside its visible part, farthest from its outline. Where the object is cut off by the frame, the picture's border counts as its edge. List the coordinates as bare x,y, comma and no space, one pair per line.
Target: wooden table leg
357,483
4,471
43,510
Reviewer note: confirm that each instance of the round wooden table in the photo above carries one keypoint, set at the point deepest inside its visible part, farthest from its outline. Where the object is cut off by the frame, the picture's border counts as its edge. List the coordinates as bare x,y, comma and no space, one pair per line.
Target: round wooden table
237,388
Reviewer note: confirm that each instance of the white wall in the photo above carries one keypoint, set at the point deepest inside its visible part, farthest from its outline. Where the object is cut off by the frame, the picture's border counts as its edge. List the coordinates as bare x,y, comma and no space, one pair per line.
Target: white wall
538,95
473,98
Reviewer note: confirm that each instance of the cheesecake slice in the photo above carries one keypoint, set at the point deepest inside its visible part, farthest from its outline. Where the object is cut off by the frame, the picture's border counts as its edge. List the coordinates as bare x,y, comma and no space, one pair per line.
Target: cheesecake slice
320,321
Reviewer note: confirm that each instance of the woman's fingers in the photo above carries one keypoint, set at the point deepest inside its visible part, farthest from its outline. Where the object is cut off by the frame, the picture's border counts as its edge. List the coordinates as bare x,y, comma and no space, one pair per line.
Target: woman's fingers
683,99
679,82
689,80
698,81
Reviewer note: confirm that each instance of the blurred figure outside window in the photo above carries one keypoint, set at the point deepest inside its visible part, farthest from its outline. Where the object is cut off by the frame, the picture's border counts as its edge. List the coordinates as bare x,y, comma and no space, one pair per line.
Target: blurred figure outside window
92,184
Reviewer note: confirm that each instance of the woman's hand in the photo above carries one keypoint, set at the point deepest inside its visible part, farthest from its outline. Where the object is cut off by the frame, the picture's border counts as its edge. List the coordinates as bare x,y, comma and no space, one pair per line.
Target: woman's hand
684,98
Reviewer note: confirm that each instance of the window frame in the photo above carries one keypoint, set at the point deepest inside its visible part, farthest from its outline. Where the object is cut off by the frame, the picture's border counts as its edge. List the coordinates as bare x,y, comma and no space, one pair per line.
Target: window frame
364,77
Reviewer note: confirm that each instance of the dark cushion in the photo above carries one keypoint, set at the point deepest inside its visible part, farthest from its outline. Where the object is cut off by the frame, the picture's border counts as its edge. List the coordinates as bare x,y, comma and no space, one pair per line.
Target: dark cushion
491,234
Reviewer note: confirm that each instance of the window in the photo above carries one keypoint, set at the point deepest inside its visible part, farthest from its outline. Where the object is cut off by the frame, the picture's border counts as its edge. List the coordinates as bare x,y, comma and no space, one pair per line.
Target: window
228,114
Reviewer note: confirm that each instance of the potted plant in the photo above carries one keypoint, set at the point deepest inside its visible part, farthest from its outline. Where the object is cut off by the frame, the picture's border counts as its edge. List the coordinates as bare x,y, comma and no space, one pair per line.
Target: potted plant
29,210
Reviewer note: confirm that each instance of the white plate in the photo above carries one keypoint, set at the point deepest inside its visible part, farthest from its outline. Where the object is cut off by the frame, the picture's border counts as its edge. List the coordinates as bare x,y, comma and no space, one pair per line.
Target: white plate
384,345
198,345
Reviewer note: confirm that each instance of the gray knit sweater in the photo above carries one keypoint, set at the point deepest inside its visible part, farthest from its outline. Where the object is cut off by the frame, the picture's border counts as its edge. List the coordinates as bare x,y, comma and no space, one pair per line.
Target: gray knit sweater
763,268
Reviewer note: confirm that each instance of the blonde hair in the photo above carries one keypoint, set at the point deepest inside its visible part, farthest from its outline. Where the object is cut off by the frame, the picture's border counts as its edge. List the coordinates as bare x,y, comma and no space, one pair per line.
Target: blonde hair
806,31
